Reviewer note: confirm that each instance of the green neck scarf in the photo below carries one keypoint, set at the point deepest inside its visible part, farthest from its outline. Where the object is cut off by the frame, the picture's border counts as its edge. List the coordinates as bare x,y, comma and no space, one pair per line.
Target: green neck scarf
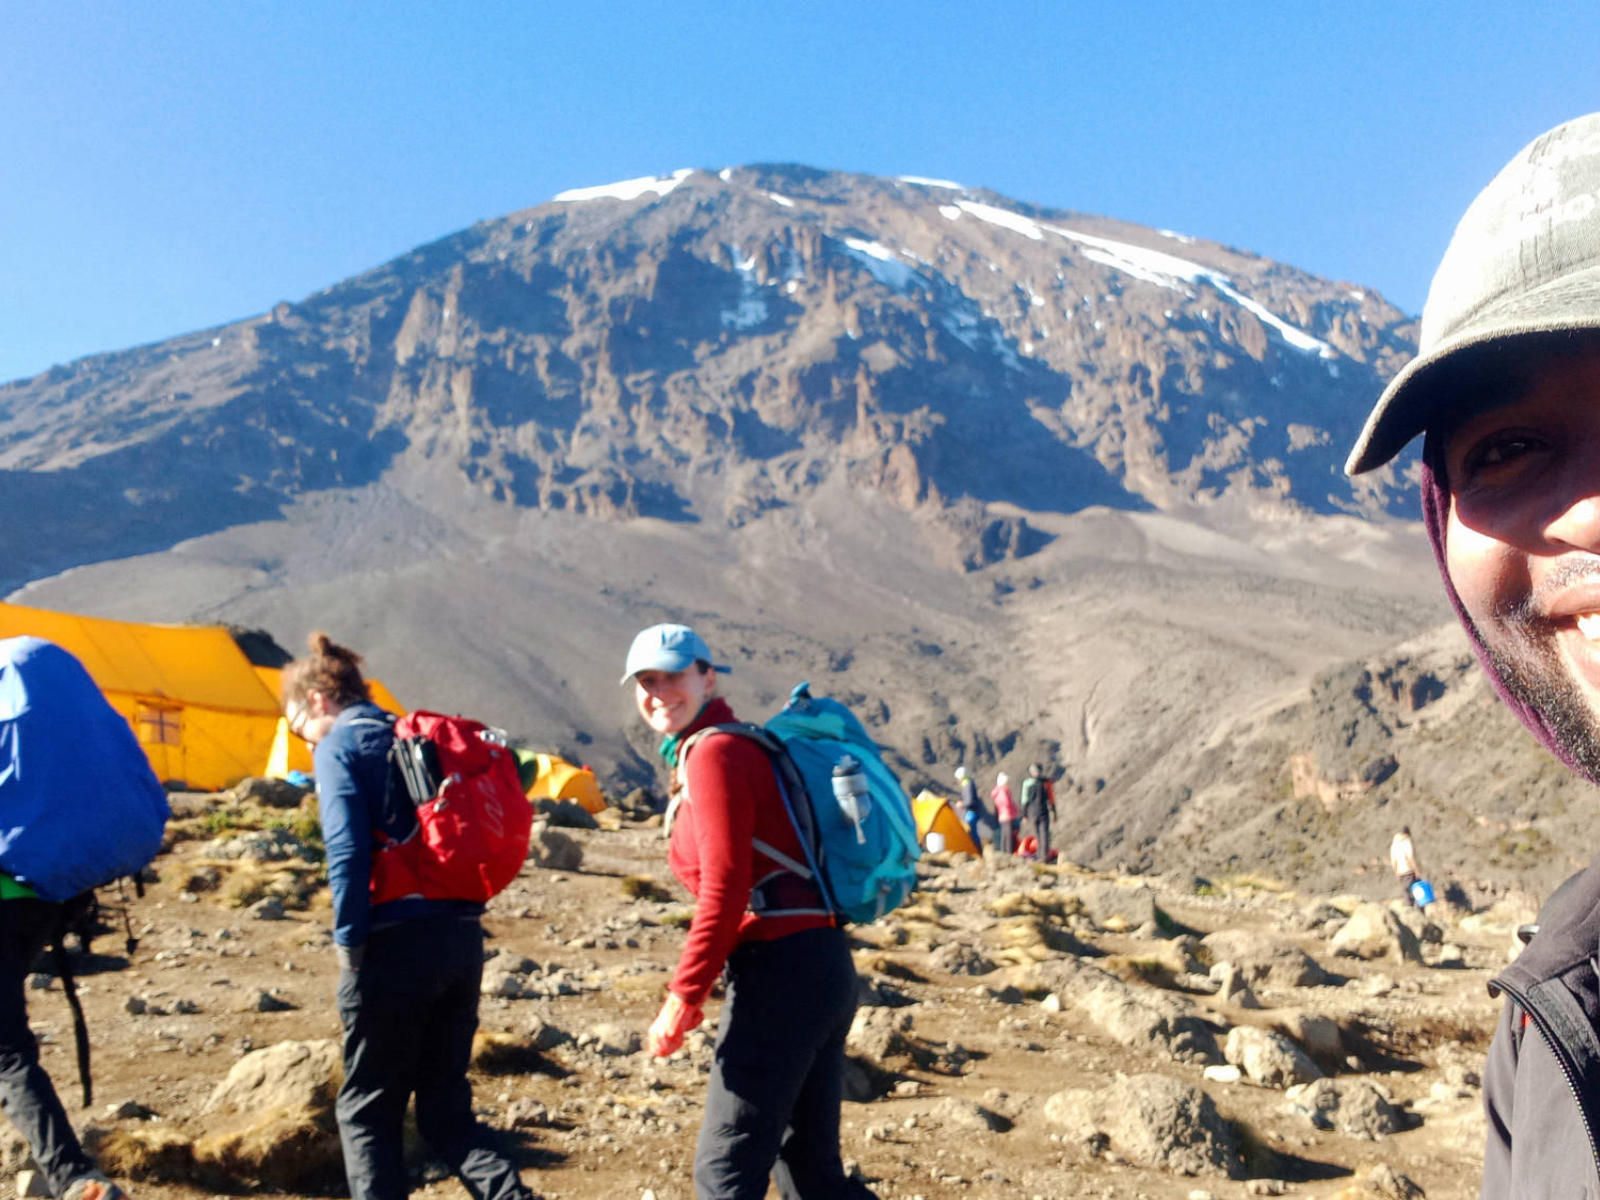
10,889
668,750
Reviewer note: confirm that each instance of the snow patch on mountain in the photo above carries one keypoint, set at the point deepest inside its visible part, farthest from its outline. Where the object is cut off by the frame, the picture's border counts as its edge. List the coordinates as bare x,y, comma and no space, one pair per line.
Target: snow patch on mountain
882,262
627,189
921,181
1151,266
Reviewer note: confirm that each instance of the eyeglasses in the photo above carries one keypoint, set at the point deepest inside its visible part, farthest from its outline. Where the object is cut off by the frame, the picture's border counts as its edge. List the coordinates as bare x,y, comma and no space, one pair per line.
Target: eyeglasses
296,716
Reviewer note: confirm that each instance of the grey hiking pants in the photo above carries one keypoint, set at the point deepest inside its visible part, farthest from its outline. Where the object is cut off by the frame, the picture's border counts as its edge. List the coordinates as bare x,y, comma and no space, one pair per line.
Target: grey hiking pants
26,1093
772,1107
409,1015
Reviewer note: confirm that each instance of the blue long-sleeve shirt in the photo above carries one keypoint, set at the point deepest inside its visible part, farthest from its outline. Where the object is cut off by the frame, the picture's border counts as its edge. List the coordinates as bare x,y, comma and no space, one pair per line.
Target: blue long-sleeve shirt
352,769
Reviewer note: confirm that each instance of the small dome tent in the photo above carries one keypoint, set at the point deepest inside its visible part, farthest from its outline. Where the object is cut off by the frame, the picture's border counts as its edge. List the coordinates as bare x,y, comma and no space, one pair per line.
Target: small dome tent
934,815
554,778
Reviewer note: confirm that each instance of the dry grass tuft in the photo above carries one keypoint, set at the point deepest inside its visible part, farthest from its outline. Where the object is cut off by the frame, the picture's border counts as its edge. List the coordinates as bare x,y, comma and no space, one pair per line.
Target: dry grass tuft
287,1150
154,1153
643,887
884,964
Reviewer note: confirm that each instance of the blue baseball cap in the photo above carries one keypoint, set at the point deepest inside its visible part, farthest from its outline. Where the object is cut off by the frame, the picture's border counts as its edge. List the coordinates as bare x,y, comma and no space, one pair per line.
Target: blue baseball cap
668,648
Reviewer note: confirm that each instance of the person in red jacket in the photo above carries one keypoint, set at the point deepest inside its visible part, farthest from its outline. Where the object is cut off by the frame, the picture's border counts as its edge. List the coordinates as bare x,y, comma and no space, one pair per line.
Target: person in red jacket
772,1108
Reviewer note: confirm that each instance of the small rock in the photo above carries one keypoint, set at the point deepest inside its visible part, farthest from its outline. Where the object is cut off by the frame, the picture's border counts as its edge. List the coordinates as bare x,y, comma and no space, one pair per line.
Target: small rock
1269,1059
266,1002
1219,1073
1374,931
1450,956
613,1040
137,1005
1266,1187
40,982
129,1110
527,1113
1352,1106
542,1035
963,1114
269,908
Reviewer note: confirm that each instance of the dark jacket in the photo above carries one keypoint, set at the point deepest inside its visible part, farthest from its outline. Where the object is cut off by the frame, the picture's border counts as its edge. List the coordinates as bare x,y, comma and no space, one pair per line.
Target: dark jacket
353,803
1541,1085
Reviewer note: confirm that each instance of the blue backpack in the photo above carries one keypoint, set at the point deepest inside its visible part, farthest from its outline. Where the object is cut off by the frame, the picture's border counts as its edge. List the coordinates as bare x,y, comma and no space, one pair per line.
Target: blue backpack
79,805
852,816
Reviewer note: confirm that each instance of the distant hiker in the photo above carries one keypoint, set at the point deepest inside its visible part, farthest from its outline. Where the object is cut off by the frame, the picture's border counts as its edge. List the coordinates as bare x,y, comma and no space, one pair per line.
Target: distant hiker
1403,857
410,968
1505,389
79,807
1006,814
772,1103
1039,806
969,807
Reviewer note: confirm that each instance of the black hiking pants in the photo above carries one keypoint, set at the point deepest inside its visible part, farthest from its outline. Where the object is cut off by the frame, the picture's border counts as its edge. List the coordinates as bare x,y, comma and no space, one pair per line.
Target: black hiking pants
772,1108
409,1015
1039,820
26,1093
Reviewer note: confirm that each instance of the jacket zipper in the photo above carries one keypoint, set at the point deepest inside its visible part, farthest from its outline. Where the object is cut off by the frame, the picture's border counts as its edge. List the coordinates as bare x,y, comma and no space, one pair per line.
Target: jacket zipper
1559,1049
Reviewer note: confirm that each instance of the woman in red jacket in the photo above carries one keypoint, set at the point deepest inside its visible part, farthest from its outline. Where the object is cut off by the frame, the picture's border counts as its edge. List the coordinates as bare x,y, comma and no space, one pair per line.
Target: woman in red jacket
772,1108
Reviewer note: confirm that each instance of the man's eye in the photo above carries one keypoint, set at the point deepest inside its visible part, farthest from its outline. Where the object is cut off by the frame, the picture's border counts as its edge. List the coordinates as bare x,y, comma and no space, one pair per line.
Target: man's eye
1498,451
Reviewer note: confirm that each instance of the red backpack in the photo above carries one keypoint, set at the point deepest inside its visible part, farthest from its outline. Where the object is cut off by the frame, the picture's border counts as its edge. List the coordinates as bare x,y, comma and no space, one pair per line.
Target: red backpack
473,820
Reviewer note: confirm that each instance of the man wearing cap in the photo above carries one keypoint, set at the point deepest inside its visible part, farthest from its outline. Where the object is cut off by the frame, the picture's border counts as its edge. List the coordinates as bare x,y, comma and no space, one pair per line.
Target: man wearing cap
772,1101
1505,390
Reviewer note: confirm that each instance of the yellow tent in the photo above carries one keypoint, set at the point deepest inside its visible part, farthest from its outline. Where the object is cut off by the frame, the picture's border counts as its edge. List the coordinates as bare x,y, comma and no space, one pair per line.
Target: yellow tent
934,815
198,708
288,752
560,780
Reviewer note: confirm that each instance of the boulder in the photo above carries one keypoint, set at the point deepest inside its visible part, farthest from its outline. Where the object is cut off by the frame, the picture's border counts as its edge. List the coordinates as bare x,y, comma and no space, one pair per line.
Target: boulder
289,1075
565,814
1265,958
1117,907
955,1113
1152,1121
1232,986
1319,1034
961,958
1381,1182
1374,931
1138,1016
553,850
267,793
1352,1106
262,845
1268,1059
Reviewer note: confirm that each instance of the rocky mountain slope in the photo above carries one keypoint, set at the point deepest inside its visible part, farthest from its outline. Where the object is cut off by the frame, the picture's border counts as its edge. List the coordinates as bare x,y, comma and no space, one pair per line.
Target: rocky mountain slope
712,345
1020,484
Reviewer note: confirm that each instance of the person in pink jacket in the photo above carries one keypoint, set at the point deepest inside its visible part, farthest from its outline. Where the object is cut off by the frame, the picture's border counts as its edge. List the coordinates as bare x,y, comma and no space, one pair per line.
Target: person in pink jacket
1006,813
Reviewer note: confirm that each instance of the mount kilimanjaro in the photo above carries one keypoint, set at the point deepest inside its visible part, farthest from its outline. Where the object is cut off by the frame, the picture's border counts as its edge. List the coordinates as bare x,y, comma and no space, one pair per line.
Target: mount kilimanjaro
1018,483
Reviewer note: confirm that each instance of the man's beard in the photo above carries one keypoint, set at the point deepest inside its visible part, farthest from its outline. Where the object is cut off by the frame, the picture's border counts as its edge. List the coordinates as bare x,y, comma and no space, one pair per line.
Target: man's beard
1533,672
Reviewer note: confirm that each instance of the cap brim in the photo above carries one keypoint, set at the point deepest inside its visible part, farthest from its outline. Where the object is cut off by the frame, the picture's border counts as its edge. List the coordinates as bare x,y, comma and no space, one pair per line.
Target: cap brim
628,678
1414,399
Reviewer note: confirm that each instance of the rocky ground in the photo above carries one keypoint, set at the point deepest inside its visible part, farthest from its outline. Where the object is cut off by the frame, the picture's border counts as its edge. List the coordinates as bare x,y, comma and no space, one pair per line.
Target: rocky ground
1024,1031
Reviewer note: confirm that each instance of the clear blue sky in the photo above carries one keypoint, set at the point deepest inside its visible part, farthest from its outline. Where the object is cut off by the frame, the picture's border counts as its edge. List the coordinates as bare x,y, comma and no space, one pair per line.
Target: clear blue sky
172,165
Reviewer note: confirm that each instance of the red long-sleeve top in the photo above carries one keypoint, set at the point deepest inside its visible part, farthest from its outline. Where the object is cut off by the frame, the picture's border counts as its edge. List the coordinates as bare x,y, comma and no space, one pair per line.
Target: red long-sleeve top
732,801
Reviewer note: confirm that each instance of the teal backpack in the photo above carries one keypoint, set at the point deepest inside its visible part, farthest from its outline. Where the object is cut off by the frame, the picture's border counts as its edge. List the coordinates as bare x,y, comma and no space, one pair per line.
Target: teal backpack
852,816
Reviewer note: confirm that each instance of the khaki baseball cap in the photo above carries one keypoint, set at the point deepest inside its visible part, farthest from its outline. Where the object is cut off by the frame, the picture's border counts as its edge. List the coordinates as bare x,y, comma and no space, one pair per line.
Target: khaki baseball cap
1525,260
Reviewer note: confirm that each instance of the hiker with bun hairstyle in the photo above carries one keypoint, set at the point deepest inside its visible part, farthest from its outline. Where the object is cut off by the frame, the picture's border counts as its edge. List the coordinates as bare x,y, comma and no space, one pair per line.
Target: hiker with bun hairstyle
772,1105
410,969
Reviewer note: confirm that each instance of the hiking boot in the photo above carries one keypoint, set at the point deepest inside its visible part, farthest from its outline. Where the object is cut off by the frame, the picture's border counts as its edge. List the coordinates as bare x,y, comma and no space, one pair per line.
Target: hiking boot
94,1186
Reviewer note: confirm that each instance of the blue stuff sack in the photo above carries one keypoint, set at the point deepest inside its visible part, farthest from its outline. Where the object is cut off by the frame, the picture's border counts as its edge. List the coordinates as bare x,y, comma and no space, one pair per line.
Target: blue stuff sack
79,804
1422,893
862,851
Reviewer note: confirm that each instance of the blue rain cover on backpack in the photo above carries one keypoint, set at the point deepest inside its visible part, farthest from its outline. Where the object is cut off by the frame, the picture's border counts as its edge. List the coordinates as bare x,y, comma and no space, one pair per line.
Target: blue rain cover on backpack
868,870
79,805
